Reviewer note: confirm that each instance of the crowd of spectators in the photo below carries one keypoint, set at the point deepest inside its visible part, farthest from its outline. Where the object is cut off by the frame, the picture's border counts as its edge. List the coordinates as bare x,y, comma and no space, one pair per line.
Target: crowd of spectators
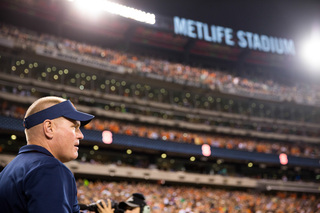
172,134
280,111
214,140
148,93
89,53
191,199
169,70
210,78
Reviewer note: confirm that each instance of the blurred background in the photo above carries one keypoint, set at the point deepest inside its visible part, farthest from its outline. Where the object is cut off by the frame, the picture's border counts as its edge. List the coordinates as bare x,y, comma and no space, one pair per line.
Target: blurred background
201,106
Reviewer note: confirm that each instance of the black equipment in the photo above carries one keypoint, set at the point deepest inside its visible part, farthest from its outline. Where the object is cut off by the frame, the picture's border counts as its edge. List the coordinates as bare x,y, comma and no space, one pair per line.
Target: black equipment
94,207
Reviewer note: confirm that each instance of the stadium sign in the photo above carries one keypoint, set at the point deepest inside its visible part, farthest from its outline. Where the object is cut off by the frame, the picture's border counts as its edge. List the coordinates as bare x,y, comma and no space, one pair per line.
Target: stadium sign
224,35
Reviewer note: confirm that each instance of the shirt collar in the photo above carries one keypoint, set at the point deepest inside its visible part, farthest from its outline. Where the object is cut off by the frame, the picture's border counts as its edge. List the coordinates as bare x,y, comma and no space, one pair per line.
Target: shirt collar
34,148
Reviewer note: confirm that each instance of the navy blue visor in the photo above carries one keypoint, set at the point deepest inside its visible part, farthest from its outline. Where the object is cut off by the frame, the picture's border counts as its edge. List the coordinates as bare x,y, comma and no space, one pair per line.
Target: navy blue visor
63,109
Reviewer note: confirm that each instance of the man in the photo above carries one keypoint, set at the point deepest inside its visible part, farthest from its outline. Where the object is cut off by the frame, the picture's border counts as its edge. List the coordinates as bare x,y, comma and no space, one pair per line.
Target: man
134,204
37,180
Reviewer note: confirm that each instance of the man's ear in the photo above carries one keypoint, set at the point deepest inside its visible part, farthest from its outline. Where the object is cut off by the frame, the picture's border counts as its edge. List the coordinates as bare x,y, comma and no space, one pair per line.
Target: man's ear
48,128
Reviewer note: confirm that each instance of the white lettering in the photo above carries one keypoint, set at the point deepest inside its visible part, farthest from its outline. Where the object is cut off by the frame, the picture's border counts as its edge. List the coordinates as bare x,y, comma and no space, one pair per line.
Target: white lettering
265,43
213,32
180,26
199,30
289,47
228,36
256,42
272,45
279,46
242,41
206,33
249,39
191,28
219,34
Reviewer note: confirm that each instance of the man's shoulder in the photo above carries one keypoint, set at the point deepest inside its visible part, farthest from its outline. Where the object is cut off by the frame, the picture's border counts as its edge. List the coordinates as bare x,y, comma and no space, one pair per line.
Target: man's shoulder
33,157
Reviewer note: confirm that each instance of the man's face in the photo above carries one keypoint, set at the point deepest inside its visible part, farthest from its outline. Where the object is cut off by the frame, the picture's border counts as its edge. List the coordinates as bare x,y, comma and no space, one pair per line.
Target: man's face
66,139
133,210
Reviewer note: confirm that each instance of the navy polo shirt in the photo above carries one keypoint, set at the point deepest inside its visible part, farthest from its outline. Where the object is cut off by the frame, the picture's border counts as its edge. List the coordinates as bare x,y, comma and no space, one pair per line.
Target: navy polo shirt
35,182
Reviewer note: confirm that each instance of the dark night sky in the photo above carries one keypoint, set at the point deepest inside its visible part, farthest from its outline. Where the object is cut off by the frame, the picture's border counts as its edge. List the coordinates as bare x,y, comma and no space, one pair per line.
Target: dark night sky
288,19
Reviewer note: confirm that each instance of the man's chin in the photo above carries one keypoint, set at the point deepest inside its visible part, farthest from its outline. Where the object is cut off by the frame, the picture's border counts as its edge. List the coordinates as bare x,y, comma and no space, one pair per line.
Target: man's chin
75,156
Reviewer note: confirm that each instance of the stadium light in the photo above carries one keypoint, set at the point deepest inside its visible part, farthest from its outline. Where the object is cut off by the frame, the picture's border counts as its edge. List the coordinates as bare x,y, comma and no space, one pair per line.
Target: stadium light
163,155
107,137
311,51
93,7
13,137
283,159
206,150
97,6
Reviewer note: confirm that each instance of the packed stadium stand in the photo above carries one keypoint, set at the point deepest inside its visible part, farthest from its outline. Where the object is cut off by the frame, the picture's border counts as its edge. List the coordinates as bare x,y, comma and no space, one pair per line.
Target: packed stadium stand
196,127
